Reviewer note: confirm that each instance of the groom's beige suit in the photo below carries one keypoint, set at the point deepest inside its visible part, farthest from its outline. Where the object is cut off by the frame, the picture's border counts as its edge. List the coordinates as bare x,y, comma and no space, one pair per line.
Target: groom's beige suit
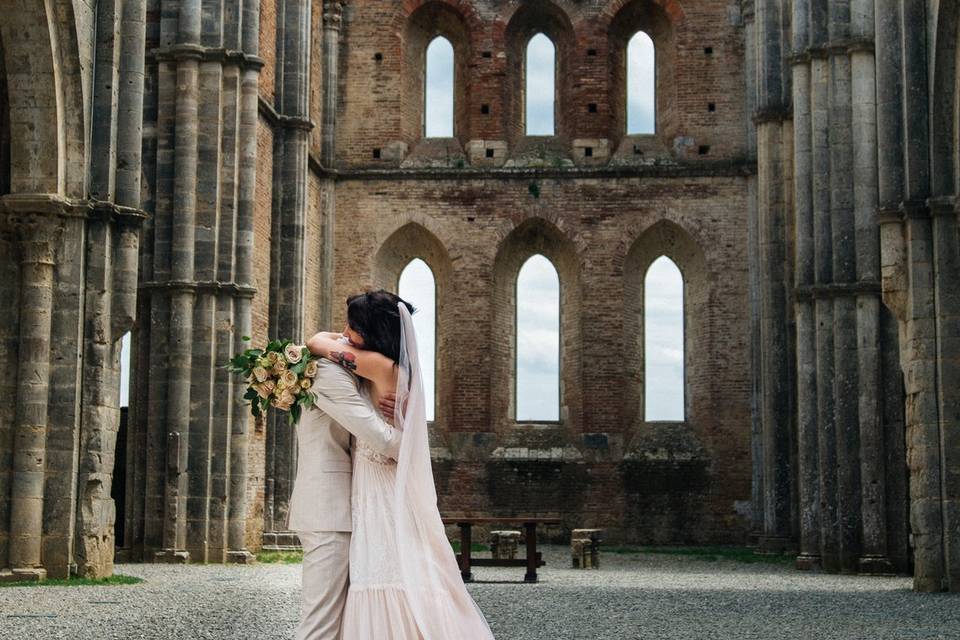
320,503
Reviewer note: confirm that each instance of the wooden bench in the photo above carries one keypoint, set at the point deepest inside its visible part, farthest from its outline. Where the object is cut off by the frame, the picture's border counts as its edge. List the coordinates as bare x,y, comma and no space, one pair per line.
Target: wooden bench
529,524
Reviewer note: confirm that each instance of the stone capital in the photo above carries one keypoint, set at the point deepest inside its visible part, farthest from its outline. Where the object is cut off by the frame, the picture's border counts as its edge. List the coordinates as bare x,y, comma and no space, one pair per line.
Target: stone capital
332,14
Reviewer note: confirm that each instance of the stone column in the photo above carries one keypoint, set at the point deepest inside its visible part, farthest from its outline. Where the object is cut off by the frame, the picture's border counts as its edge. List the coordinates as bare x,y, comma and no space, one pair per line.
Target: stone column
38,237
182,288
243,273
846,383
776,391
756,376
291,149
807,443
867,238
920,346
332,19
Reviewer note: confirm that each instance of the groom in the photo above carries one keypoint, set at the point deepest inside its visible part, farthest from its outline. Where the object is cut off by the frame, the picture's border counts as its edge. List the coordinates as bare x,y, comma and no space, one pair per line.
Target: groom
320,503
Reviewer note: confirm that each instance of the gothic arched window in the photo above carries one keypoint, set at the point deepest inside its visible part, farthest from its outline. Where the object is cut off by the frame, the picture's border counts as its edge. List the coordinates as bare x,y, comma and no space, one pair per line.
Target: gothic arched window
418,287
538,341
540,87
641,85
438,97
663,328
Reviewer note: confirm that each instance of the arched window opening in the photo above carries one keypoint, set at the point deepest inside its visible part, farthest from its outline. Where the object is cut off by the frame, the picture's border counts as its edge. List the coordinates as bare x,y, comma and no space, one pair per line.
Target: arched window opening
125,346
663,324
540,89
438,100
538,341
641,85
418,287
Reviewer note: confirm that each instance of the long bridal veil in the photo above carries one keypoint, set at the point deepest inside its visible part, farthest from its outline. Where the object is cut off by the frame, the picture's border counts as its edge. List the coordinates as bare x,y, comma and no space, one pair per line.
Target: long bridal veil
441,605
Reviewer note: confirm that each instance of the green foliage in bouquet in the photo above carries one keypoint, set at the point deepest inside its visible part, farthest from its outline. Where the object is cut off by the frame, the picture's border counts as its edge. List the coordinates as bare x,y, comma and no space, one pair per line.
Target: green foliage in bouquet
279,375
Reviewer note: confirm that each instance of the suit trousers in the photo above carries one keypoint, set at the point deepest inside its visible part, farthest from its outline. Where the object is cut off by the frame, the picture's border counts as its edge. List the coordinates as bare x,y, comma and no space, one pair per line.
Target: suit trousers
326,578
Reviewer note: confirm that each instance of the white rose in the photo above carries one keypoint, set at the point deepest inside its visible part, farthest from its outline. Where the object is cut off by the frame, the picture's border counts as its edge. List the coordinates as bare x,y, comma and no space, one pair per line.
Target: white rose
294,353
311,370
289,378
260,374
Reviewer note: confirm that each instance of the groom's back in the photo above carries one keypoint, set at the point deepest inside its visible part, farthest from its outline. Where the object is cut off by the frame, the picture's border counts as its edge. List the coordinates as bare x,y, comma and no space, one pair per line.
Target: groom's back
321,492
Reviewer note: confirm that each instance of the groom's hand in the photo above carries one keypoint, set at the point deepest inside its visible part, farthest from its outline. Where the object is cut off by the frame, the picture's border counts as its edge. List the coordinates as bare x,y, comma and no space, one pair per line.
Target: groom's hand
388,404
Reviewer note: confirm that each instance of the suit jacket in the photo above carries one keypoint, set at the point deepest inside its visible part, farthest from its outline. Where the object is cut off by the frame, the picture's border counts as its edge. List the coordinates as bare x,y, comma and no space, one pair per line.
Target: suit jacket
321,491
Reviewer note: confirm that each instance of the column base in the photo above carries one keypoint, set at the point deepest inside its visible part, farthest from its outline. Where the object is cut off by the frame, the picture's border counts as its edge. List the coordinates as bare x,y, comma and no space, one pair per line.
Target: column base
807,562
876,566
281,541
241,557
171,556
24,574
775,545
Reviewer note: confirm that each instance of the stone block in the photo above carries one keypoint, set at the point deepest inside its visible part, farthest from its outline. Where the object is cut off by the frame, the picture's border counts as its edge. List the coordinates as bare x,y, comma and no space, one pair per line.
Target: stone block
504,544
585,548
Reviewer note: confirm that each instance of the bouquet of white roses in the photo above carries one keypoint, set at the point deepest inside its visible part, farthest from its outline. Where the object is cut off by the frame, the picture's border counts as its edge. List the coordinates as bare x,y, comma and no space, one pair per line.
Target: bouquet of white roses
279,375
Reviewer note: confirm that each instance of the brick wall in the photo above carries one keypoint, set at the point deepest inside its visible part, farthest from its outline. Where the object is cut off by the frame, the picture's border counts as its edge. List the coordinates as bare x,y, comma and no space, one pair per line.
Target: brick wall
602,465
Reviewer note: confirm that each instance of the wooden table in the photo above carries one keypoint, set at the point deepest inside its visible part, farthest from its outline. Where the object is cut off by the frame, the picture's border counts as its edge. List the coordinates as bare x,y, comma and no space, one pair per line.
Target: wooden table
529,524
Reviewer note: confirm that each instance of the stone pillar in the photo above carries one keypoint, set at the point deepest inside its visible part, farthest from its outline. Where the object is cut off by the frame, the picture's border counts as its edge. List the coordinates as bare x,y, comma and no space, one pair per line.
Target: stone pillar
807,442
846,383
867,238
753,257
38,237
243,273
291,148
332,19
187,55
776,357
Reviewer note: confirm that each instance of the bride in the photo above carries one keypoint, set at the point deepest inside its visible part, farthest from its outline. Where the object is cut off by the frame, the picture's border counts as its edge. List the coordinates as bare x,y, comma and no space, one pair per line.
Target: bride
404,580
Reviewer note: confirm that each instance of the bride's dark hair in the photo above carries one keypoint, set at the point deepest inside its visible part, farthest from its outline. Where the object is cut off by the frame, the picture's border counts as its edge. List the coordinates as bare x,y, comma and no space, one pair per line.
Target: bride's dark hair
375,315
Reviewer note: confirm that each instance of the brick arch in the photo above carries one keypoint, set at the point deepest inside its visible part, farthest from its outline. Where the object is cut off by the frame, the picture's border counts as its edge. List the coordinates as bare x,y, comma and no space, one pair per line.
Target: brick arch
946,164
410,241
530,237
526,20
656,20
671,8
666,238
419,22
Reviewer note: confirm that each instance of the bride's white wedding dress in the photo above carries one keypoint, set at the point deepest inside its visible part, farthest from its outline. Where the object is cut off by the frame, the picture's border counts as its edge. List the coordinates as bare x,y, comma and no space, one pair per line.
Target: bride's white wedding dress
377,605
404,580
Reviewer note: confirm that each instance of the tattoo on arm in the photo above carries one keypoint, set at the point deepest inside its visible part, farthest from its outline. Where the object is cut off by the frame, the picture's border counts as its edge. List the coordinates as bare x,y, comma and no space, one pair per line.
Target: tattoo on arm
345,359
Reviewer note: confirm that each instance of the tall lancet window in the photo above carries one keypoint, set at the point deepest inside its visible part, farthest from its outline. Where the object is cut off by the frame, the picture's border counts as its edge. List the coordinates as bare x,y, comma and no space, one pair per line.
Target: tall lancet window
125,346
663,349
538,341
438,99
540,89
641,85
418,287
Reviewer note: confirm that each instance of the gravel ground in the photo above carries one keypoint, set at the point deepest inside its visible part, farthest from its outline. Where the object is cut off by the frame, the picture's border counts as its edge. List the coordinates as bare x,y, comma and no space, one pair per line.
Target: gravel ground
654,597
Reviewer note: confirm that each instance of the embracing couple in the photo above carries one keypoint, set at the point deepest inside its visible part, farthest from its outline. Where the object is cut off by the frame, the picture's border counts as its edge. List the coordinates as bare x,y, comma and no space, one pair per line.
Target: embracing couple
376,561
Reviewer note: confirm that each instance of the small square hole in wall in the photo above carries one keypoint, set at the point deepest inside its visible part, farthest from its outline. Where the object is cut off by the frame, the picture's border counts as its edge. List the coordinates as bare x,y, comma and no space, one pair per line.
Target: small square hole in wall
489,153
711,107
588,152
376,153
704,149
484,108
592,107
378,56
487,54
708,51
637,151
591,52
